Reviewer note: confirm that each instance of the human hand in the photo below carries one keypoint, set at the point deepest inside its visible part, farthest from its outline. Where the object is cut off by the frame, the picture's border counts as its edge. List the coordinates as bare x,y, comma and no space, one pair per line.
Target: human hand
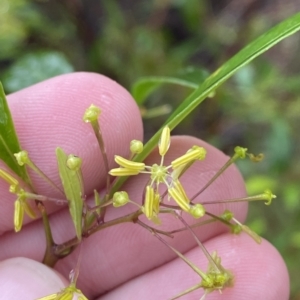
124,261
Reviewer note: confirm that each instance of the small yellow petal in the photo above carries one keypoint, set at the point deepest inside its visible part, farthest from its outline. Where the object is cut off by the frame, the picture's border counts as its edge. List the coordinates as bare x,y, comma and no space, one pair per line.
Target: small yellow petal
49,297
164,142
149,199
128,164
68,295
8,178
156,202
18,215
181,190
179,198
192,154
123,172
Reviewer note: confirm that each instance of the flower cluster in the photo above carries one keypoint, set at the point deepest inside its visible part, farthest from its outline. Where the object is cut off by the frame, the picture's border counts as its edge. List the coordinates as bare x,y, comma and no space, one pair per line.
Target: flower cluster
161,174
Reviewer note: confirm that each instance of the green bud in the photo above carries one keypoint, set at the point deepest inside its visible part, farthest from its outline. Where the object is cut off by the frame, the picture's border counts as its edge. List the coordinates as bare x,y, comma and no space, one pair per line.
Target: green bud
240,152
91,114
136,146
74,162
22,157
236,229
268,196
120,199
227,215
197,211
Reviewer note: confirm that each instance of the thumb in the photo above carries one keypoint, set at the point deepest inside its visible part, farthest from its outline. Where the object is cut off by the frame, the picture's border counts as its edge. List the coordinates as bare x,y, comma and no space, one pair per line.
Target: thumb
23,278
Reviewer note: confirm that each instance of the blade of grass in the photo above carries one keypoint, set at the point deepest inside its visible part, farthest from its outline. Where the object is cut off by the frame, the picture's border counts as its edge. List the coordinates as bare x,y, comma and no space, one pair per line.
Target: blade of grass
9,143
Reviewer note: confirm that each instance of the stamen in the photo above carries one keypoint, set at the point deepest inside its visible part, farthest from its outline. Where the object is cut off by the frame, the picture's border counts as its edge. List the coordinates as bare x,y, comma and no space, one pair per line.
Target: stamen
193,154
149,200
179,198
120,199
123,172
164,142
18,215
128,164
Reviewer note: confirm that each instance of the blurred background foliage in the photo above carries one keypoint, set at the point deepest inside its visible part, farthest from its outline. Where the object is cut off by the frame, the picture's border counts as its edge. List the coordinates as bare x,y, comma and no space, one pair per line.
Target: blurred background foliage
125,39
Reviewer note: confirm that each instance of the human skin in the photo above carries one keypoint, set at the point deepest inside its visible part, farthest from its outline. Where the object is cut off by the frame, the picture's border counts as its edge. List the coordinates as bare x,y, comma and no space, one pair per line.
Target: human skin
125,261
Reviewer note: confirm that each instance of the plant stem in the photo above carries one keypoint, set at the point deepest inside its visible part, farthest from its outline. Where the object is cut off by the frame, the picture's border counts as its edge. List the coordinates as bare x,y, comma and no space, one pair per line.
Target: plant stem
49,257
67,246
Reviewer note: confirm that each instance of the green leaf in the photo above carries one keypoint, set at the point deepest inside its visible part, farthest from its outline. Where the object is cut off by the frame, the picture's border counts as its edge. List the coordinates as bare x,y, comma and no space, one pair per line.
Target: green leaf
246,55
9,143
143,87
35,67
72,187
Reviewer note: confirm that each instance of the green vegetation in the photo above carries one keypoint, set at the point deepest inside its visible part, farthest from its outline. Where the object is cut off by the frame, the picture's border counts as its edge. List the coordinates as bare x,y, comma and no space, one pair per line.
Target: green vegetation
181,41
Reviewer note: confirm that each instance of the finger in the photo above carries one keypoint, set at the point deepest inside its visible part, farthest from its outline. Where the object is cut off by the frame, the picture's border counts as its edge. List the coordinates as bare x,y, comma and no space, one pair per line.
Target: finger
26,279
122,245
110,256
49,114
259,273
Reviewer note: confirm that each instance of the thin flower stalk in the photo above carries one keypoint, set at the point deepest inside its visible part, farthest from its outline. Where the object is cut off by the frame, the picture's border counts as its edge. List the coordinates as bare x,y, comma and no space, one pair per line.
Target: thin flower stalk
239,153
161,174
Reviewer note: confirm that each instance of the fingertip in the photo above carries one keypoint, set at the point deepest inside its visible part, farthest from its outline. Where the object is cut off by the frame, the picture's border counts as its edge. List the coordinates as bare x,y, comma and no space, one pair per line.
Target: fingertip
259,273
23,278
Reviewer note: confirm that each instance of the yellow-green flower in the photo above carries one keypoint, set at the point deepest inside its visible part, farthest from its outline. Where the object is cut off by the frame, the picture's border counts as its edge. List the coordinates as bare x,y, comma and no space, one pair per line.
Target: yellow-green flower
217,277
69,293
91,114
161,174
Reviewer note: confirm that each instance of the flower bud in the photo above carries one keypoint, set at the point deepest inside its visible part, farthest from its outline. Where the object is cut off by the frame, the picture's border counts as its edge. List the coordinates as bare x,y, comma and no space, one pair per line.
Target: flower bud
240,152
197,211
164,142
136,146
74,162
120,199
91,114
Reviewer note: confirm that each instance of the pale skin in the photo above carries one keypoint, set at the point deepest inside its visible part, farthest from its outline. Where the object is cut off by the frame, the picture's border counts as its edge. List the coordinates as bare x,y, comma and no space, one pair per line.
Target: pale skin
126,261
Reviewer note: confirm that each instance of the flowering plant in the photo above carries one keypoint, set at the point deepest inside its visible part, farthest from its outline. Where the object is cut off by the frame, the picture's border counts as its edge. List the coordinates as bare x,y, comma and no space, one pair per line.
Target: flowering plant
164,194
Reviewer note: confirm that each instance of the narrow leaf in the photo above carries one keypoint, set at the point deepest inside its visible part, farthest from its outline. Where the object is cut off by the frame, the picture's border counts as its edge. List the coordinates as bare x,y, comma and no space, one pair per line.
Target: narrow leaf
72,187
143,87
246,55
9,143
